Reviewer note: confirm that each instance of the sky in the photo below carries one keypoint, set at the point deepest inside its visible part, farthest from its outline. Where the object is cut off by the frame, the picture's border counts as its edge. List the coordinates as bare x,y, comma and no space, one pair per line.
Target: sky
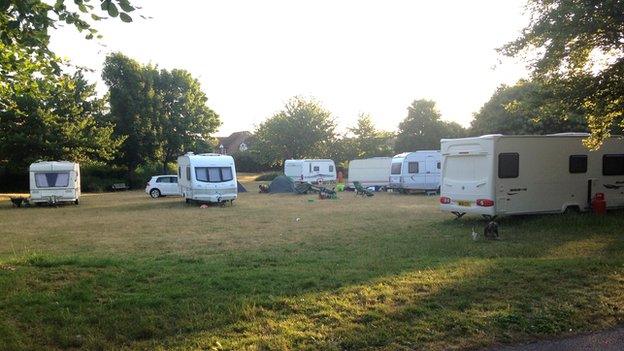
353,56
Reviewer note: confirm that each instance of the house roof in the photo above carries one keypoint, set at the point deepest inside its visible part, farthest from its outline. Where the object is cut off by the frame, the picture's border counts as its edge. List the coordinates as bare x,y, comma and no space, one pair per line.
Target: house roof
234,140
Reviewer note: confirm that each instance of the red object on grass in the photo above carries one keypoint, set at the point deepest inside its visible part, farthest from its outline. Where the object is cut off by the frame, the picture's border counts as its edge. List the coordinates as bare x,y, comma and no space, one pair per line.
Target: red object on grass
598,204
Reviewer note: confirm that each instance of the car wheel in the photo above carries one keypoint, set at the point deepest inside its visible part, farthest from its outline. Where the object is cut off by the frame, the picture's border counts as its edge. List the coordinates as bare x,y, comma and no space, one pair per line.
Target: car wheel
155,193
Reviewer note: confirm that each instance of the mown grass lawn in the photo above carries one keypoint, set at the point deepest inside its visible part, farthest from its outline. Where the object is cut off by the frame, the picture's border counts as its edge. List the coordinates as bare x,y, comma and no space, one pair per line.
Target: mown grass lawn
122,271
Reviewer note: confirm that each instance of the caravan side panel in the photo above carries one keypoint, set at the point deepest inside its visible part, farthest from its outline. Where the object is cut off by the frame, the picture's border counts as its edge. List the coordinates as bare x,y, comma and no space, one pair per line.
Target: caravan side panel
370,172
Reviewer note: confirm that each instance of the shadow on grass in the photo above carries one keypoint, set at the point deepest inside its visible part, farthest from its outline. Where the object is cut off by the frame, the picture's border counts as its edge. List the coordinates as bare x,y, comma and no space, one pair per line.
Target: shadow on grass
398,288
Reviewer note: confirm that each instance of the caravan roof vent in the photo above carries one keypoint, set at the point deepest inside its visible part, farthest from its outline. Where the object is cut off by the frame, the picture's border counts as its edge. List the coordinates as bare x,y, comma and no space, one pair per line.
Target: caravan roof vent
210,154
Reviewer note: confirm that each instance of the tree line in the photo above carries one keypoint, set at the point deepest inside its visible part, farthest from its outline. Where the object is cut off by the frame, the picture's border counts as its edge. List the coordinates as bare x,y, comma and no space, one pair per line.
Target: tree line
150,115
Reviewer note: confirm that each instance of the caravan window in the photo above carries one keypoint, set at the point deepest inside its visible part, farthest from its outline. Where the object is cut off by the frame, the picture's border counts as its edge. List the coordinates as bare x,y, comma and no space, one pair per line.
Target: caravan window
188,172
331,168
412,167
213,174
578,164
438,165
508,165
395,168
52,180
613,165
316,168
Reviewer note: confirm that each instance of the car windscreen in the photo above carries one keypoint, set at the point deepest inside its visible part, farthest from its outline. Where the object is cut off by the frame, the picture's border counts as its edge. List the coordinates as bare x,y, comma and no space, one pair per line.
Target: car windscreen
52,179
396,168
213,174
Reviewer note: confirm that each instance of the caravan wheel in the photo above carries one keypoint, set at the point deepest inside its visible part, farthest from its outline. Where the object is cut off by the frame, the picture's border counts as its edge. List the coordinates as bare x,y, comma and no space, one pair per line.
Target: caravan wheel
77,202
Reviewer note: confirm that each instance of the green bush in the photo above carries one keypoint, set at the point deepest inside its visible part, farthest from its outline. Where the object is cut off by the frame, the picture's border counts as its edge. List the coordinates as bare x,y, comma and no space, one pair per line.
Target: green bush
145,172
268,176
99,178
247,161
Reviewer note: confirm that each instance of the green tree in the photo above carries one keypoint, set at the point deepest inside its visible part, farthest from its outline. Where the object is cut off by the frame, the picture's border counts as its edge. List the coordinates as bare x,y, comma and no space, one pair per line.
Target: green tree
132,101
303,129
184,120
25,26
526,108
577,45
160,114
60,118
422,129
368,141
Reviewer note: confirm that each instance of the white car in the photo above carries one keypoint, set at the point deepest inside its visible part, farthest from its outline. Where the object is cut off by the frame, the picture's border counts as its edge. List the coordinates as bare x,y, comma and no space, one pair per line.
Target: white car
162,185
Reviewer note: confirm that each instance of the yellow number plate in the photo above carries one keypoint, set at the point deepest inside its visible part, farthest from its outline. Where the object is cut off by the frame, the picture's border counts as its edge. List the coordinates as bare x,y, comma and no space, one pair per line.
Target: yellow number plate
463,203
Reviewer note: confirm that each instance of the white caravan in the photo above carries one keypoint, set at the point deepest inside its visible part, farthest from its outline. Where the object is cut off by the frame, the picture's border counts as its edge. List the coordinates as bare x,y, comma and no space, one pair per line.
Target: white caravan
54,182
373,171
419,170
499,174
311,171
207,177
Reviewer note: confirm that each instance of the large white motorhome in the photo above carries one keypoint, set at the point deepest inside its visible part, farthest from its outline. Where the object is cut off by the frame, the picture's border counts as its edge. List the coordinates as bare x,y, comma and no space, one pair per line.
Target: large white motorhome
54,182
207,178
494,175
416,171
373,171
311,171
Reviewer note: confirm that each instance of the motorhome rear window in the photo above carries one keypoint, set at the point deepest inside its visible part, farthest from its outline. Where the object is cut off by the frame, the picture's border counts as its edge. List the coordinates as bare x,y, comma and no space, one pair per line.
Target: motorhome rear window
395,168
52,180
213,174
412,167
508,165
613,165
578,164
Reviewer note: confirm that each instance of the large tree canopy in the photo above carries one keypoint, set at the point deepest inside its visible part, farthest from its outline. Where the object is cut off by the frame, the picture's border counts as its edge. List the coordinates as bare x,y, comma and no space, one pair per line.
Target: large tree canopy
55,119
579,45
526,108
160,113
303,129
422,129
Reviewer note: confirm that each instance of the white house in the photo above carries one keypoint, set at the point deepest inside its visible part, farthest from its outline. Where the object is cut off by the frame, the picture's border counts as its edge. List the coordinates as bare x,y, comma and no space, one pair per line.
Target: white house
207,177
54,182
416,171
311,171
504,174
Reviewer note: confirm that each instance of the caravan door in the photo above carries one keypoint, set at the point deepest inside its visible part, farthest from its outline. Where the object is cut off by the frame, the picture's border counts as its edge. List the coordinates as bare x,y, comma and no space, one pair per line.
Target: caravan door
415,174
432,173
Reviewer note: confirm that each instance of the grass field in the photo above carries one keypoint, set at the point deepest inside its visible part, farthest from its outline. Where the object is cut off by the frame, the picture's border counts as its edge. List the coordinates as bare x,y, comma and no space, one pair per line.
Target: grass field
122,271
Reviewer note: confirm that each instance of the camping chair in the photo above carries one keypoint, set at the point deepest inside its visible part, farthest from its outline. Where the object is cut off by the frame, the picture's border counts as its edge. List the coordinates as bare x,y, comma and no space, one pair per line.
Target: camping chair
360,190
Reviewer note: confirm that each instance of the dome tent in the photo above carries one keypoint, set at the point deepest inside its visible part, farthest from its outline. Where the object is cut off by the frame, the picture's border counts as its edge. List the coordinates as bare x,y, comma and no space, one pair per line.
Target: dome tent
282,184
